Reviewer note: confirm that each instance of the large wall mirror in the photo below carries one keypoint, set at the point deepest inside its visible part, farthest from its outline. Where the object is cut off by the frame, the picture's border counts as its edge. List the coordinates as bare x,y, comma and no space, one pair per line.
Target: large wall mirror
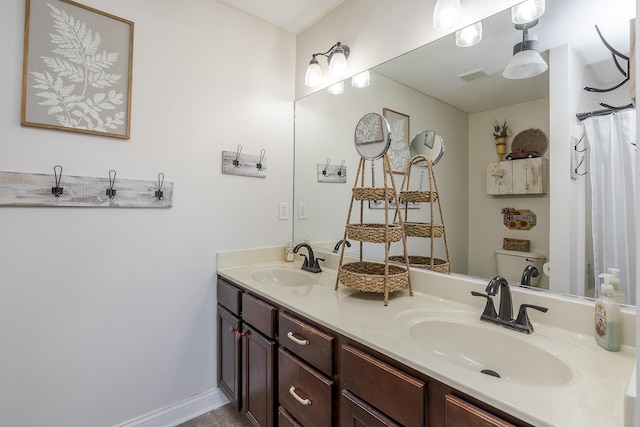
459,93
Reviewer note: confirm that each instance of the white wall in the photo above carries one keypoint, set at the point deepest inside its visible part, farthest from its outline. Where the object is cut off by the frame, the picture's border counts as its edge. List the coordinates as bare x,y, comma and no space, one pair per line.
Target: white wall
108,314
486,227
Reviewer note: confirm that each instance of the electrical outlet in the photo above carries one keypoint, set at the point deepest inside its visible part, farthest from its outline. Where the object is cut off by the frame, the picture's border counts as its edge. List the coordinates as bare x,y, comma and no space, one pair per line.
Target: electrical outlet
283,210
302,211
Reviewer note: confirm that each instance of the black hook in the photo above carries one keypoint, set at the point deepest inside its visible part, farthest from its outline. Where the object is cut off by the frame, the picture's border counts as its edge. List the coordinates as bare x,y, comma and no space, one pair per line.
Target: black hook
111,192
236,162
341,167
259,164
326,166
159,192
57,173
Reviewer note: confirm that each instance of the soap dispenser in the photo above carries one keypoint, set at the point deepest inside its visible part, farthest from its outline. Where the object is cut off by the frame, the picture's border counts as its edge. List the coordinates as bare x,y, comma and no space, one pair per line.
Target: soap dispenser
615,282
608,320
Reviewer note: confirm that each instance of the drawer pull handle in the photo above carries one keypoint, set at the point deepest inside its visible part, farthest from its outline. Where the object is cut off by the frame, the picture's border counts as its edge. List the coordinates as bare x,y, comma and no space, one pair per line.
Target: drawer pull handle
296,340
292,392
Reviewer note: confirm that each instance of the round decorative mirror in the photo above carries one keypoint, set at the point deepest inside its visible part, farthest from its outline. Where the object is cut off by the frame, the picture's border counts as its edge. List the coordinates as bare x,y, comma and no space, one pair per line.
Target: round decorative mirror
372,136
427,143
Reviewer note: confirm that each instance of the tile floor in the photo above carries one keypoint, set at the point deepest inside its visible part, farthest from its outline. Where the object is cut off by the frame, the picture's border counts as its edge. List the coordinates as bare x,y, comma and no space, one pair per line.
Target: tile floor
225,416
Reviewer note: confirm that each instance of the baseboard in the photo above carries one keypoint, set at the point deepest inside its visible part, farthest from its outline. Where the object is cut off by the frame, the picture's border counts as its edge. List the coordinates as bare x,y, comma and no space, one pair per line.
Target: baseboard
180,412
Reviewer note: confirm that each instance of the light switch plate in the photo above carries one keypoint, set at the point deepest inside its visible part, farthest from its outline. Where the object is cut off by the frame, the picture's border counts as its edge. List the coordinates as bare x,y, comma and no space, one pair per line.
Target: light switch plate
283,210
302,211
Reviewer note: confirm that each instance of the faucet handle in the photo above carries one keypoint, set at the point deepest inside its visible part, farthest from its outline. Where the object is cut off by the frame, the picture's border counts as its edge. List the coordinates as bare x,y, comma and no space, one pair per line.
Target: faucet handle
305,263
522,321
489,310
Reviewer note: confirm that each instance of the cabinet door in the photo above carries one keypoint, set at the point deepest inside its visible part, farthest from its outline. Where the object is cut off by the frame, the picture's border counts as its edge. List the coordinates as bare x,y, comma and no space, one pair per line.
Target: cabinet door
354,412
460,413
229,356
258,377
499,178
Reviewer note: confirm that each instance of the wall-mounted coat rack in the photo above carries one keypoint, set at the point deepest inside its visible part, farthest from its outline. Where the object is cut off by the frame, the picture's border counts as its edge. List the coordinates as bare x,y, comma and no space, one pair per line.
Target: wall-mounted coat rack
332,173
244,164
59,190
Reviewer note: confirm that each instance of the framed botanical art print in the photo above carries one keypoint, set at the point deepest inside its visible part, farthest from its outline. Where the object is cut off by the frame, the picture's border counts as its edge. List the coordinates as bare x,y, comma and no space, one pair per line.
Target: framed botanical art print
399,149
77,69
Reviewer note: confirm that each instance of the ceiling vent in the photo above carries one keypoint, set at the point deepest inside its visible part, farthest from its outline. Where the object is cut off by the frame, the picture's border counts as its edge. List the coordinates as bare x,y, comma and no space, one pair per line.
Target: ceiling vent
473,75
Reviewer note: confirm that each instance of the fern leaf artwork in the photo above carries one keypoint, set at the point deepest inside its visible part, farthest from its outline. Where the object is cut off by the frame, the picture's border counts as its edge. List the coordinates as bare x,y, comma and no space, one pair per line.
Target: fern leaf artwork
78,72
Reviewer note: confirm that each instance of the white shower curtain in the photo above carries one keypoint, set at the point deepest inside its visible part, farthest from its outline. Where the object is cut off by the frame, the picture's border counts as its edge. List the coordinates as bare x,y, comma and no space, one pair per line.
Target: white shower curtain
612,169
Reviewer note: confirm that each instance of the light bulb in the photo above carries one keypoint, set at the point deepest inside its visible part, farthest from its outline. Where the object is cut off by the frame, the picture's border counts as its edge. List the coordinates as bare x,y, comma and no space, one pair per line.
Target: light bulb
446,14
361,80
336,89
338,67
528,11
313,76
469,36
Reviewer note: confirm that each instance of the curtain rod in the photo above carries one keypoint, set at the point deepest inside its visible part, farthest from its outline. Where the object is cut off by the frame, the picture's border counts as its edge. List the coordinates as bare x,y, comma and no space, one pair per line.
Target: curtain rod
609,110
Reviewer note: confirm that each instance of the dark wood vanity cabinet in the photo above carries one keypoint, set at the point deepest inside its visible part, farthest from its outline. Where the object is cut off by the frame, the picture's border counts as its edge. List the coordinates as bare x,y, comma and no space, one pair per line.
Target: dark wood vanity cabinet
282,369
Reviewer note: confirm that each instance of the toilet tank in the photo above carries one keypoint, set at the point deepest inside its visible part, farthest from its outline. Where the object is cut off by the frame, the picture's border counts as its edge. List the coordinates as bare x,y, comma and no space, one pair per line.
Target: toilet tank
511,264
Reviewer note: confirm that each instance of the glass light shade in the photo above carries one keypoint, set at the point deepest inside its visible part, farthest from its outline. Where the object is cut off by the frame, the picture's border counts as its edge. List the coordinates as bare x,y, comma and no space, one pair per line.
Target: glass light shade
525,64
528,11
338,67
313,76
446,14
469,36
361,80
336,89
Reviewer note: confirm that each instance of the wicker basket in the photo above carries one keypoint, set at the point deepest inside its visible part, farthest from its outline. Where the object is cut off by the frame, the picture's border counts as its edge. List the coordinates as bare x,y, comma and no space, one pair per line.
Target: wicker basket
373,193
370,277
424,262
418,196
374,233
516,244
423,229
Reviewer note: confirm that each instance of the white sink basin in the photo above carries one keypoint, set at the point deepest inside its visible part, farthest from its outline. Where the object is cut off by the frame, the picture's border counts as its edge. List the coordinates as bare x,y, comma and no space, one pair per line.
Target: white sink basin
285,277
490,349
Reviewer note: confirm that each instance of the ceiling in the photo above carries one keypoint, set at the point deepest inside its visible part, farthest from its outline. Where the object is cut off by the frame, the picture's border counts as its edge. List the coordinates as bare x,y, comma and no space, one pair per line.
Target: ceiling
292,15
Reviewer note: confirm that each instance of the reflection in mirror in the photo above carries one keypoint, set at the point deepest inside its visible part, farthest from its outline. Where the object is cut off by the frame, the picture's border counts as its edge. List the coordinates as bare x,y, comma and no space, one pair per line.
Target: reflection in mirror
459,93
427,143
372,136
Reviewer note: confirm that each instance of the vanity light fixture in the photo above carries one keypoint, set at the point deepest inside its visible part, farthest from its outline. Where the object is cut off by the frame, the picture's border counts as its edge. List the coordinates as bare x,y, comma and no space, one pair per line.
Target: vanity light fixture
361,80
527,11
447,14
469,36
337,59
526,61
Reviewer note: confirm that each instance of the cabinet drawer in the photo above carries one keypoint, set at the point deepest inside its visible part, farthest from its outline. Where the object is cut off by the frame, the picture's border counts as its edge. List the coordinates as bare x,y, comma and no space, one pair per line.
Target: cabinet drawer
460,413
259,314
285,419
355,412
229,297
306,342
304,392
395,393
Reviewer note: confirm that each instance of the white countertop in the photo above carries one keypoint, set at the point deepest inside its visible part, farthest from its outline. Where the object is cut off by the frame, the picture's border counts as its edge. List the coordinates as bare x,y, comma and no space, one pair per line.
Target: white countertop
594,396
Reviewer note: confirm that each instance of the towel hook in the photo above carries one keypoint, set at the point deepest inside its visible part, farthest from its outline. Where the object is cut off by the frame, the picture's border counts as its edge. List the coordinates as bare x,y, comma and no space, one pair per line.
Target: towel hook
57,173
159,193
341,167
236,162
326,166
259,164
111,192
575,147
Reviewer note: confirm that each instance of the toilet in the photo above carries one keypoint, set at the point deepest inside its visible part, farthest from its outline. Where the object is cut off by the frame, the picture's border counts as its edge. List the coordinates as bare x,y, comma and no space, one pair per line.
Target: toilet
511,264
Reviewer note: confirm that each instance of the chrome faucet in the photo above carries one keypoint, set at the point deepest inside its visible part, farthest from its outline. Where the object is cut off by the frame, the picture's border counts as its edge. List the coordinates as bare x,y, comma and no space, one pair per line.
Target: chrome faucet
529,272
505,315
310,263
506,305
340,242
